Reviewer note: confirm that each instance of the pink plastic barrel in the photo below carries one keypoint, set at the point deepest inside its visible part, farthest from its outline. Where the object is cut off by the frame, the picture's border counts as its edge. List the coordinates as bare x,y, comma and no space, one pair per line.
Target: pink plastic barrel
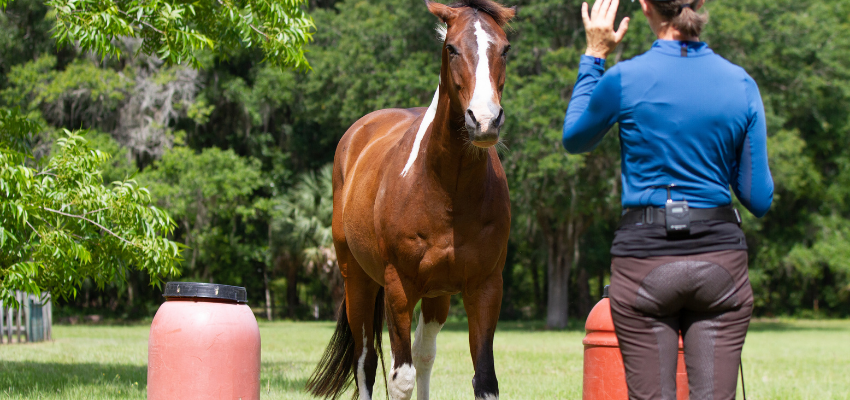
204,344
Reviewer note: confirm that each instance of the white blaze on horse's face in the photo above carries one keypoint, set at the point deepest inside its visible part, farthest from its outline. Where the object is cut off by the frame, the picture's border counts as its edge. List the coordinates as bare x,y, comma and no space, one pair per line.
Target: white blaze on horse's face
484,116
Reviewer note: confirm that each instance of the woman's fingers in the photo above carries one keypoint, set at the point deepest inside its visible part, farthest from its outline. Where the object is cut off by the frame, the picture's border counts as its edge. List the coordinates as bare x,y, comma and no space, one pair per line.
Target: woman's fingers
596,6
611,12
584,15
621,31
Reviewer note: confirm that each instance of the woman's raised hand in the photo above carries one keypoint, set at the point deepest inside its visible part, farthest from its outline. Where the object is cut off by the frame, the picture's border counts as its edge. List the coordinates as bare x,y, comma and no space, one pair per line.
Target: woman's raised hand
599,27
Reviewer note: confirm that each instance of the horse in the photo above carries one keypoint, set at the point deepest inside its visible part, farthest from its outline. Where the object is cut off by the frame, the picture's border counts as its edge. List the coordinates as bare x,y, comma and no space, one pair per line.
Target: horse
421,211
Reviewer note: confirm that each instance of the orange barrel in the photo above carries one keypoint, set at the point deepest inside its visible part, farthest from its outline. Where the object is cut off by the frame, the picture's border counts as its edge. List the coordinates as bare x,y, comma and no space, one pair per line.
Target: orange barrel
604,374
204,344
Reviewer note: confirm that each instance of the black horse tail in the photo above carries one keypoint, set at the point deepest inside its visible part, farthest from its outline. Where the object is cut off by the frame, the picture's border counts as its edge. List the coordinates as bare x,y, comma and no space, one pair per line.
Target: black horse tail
337,368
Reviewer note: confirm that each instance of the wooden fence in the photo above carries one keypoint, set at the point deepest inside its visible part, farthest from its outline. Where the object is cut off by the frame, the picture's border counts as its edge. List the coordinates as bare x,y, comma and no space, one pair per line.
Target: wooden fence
32,321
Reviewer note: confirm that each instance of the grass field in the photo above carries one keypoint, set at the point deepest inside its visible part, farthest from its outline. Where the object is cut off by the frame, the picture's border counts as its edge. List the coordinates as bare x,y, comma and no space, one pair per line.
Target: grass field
782,360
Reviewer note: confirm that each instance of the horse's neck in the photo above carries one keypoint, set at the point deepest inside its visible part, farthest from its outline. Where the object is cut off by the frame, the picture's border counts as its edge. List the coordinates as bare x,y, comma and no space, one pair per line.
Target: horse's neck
455,163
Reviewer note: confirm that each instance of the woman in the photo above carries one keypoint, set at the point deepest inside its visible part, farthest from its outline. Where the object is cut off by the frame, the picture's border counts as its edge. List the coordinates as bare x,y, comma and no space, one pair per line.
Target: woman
691,124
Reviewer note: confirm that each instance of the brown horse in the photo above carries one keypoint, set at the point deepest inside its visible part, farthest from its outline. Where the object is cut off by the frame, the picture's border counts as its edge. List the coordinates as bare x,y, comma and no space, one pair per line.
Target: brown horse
421,212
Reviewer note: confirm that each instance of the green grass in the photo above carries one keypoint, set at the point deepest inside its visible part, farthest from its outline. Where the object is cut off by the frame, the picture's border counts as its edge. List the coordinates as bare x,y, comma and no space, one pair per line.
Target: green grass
782,360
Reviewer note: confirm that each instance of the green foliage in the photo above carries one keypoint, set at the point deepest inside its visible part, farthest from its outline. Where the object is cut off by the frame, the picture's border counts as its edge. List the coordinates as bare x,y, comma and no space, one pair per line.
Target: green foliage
302,217
208,194
59,225
176,30
81,93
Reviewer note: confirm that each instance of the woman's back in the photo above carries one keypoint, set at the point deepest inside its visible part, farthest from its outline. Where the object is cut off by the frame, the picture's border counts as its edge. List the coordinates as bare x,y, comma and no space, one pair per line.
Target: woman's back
693,120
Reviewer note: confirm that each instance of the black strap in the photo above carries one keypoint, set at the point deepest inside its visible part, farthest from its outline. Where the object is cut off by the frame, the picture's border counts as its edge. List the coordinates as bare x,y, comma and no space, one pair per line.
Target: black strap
656,215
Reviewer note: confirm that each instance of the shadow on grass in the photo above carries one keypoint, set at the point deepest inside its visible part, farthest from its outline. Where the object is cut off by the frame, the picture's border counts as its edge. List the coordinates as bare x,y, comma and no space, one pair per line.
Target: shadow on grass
785,326
515,326
32,378
282,375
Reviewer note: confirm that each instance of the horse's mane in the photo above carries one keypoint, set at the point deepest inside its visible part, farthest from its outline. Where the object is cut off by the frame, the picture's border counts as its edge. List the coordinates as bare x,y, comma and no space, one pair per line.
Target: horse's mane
500,13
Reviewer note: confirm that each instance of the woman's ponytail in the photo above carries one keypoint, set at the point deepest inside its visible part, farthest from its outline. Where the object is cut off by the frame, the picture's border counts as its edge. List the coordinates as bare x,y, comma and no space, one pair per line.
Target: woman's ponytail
681,15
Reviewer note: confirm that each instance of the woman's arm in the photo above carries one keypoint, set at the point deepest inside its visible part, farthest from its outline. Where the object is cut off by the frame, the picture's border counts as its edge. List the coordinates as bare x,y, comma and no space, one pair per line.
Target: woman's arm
595,102
594,106
753,183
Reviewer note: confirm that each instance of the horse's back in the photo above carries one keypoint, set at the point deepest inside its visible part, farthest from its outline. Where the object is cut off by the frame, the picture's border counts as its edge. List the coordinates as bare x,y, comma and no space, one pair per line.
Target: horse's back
386,126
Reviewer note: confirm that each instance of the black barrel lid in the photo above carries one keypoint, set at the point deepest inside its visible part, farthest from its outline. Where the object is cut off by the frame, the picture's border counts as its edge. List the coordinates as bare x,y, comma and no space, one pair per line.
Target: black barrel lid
605,291
206,290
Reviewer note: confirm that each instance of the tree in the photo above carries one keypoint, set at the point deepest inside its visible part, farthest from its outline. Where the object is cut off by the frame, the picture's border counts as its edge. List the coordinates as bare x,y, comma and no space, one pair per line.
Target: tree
301,234
78,228
59,225
176,30
209,196
556,197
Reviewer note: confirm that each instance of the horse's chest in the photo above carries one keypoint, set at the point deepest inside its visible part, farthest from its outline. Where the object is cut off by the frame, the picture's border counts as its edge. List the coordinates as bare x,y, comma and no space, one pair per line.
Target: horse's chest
437,244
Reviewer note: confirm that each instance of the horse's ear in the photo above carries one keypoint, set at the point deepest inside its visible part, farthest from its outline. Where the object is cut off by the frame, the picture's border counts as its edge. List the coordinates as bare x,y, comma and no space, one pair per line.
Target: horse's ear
442,11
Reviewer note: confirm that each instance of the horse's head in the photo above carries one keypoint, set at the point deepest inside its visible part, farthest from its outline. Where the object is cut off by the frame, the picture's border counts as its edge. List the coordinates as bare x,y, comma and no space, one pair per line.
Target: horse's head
475,54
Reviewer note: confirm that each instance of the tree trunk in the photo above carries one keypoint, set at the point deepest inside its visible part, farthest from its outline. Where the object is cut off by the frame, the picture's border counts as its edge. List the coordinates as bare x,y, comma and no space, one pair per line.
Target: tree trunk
583,287
268,293
558,271
562,255
291,287
562,240
538,296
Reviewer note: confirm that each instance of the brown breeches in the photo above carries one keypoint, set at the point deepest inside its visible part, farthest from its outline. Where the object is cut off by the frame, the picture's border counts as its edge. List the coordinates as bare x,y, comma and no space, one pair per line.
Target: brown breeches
705,296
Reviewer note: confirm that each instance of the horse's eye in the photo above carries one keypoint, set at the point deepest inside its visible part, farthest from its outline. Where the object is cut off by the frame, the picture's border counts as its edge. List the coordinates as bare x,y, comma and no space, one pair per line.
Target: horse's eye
452,50
505,52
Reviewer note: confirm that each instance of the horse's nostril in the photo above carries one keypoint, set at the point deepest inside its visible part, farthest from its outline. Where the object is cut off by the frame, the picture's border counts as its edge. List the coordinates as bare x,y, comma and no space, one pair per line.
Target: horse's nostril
471,114
501,118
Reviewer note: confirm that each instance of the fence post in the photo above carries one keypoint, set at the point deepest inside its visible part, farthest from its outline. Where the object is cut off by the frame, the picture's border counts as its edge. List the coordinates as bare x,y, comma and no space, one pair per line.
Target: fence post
9,325
45,309
27,317
2,314
20,300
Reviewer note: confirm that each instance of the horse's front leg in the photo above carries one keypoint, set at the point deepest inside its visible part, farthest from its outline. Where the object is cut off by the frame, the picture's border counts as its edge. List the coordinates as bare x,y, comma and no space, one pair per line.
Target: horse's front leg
482,300
399,309
434,313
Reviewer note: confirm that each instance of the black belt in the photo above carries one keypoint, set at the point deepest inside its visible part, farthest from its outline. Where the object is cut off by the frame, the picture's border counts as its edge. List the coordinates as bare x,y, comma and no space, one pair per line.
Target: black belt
657,216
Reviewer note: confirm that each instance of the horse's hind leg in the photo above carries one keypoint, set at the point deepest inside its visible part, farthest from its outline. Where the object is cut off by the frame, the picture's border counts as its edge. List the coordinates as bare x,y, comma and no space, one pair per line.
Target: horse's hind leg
431,319
364,308
399,309
482,300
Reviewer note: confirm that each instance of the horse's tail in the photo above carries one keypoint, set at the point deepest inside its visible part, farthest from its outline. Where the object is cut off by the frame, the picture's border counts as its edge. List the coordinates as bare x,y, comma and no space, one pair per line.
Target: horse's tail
337,368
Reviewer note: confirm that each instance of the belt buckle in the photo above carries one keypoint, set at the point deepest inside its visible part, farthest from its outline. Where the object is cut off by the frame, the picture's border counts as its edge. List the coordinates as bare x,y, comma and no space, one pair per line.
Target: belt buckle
647,215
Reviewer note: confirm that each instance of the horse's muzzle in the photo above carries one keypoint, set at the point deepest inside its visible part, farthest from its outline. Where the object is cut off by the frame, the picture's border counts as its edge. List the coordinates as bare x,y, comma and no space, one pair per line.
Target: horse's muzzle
484,131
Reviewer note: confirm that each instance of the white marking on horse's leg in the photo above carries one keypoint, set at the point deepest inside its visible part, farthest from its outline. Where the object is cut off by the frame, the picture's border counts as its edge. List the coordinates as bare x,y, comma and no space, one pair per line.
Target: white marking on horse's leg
361,370
488,397
400,382
481,103
424,353
426,122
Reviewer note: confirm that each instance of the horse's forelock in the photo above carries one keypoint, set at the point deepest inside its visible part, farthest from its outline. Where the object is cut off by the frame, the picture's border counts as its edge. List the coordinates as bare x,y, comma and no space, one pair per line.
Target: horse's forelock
501,14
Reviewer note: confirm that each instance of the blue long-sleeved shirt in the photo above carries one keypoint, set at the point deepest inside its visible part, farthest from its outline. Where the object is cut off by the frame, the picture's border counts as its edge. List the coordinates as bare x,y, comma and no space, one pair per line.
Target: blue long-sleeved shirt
697,122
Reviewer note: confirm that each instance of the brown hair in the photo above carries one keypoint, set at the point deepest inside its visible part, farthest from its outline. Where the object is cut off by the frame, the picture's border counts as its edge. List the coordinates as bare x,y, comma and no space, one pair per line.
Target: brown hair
500,13
681,15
